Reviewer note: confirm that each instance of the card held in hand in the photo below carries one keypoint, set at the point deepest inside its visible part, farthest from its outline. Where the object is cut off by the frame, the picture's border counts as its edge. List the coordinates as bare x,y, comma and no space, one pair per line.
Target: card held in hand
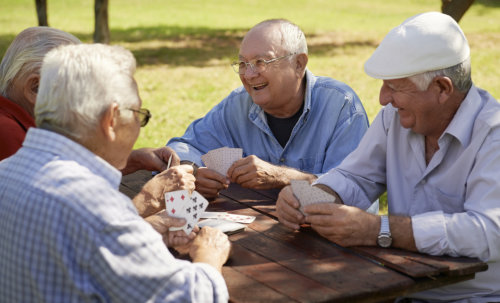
307,194
221,159
180,204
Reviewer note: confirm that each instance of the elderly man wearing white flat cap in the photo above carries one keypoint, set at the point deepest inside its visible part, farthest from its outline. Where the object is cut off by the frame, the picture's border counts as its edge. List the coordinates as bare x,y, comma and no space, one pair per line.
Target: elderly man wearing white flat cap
435,149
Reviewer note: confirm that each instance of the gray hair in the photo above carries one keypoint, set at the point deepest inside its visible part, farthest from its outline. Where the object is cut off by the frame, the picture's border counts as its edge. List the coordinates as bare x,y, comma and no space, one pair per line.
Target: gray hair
25,54
459,74
293,38
79,83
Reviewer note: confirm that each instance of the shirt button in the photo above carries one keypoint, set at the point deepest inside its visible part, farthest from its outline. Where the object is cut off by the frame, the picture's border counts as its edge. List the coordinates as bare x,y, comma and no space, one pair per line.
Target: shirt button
282,160
423,182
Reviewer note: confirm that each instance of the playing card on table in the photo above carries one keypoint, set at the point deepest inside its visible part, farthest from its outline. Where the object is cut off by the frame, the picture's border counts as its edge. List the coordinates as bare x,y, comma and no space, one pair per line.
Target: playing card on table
228,217
307,194
221,159
180,204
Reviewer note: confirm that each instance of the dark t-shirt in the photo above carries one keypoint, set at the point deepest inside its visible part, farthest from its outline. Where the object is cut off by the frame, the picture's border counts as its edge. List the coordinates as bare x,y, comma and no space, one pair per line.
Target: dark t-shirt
282,127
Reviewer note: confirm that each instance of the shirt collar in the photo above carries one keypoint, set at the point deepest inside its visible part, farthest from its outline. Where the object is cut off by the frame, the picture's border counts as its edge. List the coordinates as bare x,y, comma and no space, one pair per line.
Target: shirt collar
17,112
69,150
462,124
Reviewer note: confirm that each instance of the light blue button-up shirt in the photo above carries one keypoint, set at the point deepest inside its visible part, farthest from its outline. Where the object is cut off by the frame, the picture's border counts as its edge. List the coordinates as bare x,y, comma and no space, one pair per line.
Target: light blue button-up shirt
454,201
68,235
332,123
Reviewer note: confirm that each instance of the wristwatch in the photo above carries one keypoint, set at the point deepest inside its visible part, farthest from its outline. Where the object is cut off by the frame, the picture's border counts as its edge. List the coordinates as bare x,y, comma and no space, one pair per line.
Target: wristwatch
194,165
384,238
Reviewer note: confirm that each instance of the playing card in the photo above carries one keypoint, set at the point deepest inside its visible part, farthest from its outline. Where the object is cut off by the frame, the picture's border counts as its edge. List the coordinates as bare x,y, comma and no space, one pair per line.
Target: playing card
222,158
195,207
227,227
175,203
228,217
307,194
180,204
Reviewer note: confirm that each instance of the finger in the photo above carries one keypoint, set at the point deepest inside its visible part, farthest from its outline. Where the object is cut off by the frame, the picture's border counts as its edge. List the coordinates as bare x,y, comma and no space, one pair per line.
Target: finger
236,165
321,208
206,173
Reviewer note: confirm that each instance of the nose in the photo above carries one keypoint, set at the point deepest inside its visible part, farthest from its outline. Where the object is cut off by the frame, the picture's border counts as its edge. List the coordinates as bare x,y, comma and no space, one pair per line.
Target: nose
250,72
385,96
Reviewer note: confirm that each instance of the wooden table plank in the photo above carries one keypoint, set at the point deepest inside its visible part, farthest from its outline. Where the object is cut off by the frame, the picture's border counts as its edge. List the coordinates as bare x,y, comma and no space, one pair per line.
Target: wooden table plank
418,265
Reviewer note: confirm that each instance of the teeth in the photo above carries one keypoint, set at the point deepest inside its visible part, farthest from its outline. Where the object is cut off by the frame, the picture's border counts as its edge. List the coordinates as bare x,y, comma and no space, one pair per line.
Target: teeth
259,85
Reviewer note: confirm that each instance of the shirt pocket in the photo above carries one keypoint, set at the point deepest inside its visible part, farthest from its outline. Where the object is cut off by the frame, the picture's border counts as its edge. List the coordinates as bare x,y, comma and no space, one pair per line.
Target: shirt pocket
447,202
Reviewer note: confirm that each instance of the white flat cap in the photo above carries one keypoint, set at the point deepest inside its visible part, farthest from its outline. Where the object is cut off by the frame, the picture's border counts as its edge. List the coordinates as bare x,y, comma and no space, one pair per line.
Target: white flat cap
425,42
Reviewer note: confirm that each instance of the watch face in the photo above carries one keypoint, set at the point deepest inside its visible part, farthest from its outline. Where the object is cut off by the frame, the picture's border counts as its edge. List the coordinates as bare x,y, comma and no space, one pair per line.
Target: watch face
384,240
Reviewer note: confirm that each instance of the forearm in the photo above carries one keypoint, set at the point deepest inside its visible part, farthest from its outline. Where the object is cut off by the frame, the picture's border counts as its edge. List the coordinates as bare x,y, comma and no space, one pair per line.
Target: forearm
283,176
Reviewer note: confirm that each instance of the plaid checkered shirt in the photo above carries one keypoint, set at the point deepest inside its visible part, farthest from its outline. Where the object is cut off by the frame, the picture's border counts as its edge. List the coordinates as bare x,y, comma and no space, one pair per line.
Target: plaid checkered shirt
67,234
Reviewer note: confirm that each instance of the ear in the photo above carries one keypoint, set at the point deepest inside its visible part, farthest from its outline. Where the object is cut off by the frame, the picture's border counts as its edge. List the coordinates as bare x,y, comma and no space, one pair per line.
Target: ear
109,122
445,87
301,63
30,88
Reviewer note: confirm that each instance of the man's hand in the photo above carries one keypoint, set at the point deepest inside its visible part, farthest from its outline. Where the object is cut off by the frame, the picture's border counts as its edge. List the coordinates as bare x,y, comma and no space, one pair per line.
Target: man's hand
151,198
209,182
252,172
161,222
342,224
287,207
152,159
210,246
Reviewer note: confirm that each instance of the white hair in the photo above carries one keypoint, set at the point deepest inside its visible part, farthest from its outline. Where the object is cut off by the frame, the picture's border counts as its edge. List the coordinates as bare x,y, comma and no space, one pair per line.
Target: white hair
25,54
459,74
79,83
293,39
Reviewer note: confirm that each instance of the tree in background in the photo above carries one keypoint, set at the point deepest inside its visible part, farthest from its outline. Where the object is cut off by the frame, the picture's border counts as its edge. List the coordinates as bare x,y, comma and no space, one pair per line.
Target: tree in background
455,8
41,12
101,28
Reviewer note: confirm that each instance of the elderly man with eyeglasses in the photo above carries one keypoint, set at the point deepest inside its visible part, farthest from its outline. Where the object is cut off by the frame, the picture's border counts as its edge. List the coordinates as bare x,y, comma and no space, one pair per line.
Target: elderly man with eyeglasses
68,234
19,78
289,123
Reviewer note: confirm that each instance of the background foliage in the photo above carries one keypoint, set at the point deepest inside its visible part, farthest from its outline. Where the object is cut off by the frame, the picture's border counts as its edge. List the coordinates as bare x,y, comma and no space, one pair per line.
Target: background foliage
183,48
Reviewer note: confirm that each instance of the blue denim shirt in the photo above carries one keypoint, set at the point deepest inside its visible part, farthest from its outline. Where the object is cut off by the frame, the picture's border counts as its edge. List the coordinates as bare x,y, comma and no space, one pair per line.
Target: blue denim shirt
331,125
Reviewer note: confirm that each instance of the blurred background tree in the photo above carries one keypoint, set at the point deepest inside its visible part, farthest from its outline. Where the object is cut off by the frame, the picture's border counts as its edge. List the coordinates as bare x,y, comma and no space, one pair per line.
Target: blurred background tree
455,8
101,27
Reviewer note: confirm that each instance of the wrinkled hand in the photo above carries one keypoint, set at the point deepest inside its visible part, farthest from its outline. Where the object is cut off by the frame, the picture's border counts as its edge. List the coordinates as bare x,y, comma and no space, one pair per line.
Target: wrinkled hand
152,159
287,208
252,172
342,224
161,222
209,182
210,246
151,198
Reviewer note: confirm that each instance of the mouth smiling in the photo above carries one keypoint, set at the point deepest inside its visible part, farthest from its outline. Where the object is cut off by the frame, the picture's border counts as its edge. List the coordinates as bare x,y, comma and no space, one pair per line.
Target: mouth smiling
259,86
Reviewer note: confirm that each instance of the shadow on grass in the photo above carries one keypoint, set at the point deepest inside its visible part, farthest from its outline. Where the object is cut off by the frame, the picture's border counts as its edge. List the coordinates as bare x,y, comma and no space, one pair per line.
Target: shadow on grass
493,3
193,46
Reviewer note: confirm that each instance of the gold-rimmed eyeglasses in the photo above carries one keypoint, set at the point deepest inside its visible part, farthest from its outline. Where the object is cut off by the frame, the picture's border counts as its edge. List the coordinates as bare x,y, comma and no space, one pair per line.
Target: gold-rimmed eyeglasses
257,65
144,115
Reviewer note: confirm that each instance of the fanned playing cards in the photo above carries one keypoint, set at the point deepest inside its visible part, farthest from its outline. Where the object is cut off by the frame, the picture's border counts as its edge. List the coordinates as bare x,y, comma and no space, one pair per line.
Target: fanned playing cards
180,204
307,194
221,159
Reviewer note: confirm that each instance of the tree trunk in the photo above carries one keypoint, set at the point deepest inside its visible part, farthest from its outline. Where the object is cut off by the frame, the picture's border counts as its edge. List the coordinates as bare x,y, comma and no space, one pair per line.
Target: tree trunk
455,8
101,30
41,12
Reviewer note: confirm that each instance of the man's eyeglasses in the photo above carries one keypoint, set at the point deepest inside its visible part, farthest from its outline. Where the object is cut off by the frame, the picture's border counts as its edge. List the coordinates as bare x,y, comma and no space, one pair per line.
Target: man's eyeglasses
144,115
257,66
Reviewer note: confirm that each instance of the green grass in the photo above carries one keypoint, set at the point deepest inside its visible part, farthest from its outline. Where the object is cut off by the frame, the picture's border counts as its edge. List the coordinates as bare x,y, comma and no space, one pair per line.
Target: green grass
183,48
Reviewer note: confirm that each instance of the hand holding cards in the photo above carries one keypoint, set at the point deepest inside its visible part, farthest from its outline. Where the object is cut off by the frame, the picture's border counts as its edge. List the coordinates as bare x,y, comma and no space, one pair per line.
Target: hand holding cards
307,194
221,159
180,204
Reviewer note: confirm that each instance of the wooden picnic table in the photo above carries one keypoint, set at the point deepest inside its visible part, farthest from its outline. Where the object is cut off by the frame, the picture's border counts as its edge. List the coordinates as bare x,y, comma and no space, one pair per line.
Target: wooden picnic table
271,263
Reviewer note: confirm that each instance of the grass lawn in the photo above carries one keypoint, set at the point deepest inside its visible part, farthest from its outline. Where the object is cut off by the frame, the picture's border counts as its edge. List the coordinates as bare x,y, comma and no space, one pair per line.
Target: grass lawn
184,48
